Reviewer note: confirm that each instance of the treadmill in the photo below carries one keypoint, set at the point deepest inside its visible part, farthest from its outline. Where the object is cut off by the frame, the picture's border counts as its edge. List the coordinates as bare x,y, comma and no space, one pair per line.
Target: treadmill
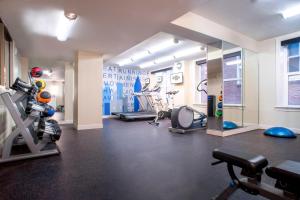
147,112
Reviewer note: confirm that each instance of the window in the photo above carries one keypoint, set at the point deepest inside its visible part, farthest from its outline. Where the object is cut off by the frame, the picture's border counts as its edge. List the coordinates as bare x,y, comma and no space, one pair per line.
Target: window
203,76
232,79
290,71
200,75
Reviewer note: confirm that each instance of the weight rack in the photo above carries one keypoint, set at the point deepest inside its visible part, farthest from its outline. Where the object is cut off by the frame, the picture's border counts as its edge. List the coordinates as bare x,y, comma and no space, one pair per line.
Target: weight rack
16,105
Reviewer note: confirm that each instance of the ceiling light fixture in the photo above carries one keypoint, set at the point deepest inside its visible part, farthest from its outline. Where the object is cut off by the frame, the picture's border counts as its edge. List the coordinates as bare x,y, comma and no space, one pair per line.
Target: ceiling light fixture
71,16
164,59
178,55
65,24
125,62
140,55
163,46
291,12
147,64
188,52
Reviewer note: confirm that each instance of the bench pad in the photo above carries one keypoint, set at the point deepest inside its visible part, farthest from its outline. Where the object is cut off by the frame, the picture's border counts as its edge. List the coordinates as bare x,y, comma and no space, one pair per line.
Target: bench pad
288,171
246,161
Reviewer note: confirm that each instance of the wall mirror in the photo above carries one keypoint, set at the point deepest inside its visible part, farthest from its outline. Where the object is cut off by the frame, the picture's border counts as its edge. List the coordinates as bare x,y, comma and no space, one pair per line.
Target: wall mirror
214,86
233,86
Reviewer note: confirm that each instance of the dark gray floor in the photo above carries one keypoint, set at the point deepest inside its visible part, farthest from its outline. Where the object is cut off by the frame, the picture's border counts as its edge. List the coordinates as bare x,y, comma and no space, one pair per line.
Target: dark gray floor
135,161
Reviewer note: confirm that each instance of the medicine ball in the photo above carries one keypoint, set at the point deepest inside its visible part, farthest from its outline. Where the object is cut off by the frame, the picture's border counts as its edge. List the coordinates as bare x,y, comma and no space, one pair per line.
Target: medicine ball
49,111
36,72
41,84
220,105
43,97
220,98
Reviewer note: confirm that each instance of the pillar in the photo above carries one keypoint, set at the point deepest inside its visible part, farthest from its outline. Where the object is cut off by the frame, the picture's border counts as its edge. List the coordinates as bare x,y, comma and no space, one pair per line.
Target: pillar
69,92
88,91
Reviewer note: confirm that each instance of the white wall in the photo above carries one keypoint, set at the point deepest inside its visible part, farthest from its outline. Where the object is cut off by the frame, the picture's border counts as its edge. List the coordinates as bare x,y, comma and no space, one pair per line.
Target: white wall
56,89
269,114
24,68
205,26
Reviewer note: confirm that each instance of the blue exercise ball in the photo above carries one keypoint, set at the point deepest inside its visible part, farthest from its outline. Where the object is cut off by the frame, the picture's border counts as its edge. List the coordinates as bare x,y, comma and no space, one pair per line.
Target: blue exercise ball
220,105
280,132
229,125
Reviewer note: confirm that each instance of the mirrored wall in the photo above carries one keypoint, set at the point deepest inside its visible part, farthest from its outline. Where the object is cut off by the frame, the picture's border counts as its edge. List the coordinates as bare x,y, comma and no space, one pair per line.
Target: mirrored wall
240,87
214,86
232,86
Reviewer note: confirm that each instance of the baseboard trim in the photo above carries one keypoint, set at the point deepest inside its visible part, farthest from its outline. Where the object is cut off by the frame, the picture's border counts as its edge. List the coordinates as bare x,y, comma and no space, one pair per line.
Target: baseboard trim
88,126
240,130
232,132
109,116
266,126
214,132
65,122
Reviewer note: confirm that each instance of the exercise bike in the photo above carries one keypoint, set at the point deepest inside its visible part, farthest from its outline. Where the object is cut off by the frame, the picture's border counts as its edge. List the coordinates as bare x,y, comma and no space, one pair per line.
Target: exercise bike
163,111
157,103
166,109
183,118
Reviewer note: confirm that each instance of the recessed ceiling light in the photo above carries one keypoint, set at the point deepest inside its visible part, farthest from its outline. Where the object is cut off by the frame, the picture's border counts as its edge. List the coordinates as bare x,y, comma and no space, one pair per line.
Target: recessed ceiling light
177,55
140,55
125,62
291,12
65,24
164,59
71,15
147,64
163,46
188,52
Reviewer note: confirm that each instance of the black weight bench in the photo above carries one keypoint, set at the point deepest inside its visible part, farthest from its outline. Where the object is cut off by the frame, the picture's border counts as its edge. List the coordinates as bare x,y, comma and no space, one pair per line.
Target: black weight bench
287,175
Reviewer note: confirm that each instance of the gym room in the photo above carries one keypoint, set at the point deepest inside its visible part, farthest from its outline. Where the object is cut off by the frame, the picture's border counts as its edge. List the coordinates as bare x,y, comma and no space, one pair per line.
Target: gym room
149,99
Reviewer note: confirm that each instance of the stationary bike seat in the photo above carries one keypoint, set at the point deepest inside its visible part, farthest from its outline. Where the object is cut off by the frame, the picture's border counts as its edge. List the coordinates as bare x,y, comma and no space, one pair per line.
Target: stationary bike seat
287,171
250,162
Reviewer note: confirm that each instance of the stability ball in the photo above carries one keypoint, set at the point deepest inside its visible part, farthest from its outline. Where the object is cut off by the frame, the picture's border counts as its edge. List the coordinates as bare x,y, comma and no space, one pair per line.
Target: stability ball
229,125
280,132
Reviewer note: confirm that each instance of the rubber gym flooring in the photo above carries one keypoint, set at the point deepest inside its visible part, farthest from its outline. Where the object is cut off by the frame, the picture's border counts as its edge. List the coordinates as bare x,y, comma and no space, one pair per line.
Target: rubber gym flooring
135,161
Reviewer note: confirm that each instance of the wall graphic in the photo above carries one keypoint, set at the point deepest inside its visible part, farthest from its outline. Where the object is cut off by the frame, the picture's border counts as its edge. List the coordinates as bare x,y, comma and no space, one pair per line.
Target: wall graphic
118,88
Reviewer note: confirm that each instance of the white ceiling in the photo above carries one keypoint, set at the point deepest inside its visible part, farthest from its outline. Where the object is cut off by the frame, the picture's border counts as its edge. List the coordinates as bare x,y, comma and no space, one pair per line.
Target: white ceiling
259,19
154,41
105,26
113,26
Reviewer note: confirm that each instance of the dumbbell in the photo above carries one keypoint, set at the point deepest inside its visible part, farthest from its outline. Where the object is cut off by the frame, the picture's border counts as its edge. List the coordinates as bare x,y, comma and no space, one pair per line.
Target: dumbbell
45,110
51,128
22,86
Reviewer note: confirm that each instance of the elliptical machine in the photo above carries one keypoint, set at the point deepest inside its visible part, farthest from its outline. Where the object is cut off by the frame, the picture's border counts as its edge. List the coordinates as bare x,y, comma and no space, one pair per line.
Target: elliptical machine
183,118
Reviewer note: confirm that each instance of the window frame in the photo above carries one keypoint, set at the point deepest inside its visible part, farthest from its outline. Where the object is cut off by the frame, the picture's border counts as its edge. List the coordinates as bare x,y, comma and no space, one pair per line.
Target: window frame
197,78
282,72
239,75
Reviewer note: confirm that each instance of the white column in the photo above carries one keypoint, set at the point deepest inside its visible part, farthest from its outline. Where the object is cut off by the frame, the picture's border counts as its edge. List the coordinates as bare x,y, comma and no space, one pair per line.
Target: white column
69,92
88,91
